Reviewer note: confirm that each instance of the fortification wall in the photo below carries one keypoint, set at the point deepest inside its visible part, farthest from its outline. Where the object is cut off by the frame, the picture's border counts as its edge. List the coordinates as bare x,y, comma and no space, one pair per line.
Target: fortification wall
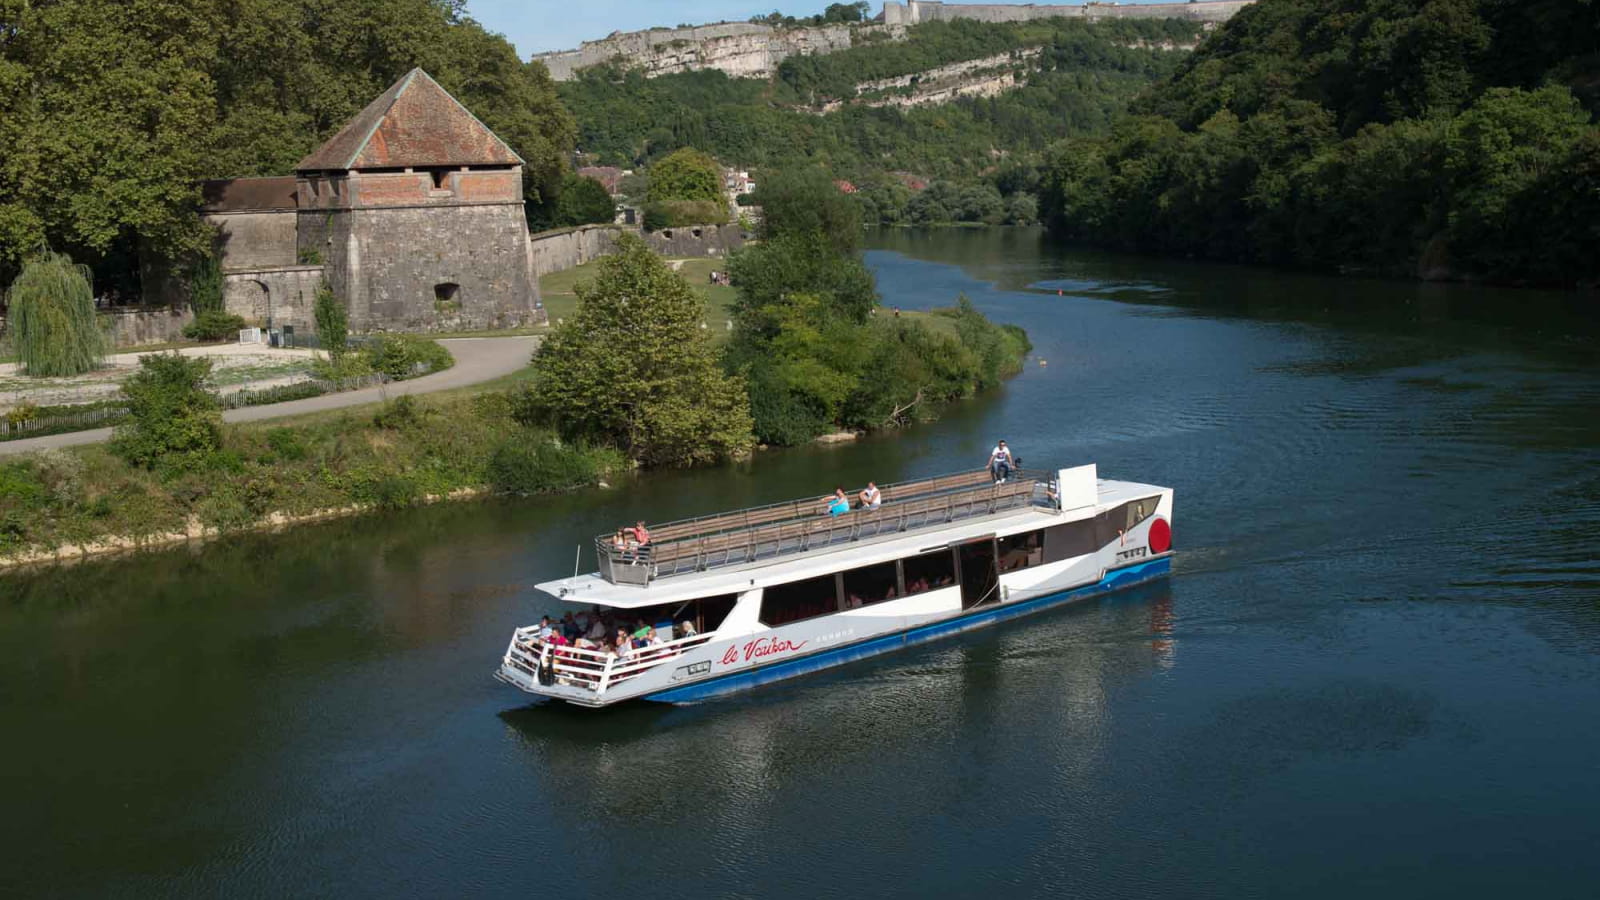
458,268
137,327
914,12
741,49
255,238
276,296
567,248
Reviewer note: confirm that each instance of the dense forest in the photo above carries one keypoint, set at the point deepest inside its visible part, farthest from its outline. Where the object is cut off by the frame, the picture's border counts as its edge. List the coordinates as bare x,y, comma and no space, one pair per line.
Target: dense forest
111,111
1432,137
1083,80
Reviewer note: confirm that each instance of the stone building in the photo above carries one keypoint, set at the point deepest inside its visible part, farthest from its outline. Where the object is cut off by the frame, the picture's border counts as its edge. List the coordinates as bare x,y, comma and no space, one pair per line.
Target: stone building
413,213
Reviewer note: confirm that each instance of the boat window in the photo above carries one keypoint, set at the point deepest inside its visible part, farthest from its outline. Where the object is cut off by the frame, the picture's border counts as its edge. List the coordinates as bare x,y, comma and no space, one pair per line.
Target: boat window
1019,551
1069,540
710,611
799,600
871,584
929,571
1112,523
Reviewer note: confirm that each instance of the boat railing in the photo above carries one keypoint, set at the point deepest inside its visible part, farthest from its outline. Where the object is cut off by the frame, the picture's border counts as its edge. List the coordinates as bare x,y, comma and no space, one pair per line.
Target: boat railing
784,529
584,667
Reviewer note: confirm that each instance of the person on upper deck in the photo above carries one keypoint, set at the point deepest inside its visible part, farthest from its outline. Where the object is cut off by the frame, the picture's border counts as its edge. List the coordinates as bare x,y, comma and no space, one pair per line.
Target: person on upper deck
870,497
641,534
838,504
1000,462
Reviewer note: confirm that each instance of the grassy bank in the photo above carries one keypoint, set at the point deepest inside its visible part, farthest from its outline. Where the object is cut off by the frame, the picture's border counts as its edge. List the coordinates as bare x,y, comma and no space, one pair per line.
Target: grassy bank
392,455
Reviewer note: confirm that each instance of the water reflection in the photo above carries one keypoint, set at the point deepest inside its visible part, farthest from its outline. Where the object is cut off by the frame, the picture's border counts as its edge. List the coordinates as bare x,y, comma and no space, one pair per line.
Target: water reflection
1057,671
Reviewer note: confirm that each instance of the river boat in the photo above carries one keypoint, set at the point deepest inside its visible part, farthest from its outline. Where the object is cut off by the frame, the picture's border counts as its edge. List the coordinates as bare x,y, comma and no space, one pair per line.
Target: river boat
746,598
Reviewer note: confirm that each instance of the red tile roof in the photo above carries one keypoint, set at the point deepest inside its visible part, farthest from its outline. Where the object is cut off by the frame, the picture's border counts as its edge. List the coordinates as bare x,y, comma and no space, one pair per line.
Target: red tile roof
413,123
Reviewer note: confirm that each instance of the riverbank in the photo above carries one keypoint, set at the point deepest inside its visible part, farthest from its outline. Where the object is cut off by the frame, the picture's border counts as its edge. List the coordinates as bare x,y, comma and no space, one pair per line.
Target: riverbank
406,451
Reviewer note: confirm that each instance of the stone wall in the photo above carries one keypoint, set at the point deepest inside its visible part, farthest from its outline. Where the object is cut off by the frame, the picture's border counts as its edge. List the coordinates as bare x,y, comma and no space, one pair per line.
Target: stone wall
278,296
253,239
136,327
741,49
475,256
567,248
913,12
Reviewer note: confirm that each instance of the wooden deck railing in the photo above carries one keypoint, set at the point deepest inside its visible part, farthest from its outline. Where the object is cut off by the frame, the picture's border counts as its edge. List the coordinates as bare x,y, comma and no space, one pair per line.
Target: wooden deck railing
783,529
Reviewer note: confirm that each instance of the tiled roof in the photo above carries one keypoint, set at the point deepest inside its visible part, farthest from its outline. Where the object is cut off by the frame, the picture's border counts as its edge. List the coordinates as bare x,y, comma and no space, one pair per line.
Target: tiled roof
414,123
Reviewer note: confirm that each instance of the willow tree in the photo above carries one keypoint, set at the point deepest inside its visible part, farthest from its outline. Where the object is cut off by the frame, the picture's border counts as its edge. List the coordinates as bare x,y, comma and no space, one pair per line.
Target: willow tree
52,318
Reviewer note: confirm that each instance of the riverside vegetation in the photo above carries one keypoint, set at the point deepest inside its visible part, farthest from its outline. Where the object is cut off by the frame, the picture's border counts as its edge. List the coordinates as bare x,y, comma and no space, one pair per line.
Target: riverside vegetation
1448,137
631,378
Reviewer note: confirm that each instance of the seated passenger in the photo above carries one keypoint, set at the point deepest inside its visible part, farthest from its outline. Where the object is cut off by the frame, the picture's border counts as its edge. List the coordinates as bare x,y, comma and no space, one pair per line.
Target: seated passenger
838,504
569,627
546,628
686,629
597,630
870,498
620,645
641,534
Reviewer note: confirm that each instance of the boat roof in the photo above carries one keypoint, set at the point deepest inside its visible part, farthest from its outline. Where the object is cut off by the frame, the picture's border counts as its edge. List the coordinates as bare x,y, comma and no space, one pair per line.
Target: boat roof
596,590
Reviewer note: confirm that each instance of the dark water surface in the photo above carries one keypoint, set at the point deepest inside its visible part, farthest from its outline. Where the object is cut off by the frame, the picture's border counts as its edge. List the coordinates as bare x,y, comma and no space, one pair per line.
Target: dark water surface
1376,670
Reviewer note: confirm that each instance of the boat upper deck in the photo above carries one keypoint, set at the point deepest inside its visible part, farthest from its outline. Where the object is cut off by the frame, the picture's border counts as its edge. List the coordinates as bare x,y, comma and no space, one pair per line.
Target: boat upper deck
713,562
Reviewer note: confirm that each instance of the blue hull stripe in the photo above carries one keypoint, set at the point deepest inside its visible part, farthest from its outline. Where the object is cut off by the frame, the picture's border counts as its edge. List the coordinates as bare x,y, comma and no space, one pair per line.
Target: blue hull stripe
1116,579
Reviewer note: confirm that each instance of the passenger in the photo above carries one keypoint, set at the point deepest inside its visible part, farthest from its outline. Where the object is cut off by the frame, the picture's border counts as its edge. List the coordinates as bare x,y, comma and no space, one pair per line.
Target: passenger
870,497
569,627
641,534
1000,463
686,629
621,647
917,586
838,504
655,639
546,628
597,630
854,601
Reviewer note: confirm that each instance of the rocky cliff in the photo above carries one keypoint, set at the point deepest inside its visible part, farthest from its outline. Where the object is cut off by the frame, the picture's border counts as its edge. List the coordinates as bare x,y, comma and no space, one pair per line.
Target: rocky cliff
741,49
913,12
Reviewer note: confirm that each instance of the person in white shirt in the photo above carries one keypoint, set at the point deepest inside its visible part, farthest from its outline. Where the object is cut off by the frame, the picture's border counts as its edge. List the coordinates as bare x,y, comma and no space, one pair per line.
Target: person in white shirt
870,497
1000,462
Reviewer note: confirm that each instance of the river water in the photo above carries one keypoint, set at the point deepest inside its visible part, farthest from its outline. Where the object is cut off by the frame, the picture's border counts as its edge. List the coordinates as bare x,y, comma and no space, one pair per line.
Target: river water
1375,669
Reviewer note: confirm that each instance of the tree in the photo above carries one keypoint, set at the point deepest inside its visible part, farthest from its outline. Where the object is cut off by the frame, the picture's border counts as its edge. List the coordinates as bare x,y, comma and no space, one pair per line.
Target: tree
805,201
205,285
172,419
633,368
584,201
687,175
52,318
333,322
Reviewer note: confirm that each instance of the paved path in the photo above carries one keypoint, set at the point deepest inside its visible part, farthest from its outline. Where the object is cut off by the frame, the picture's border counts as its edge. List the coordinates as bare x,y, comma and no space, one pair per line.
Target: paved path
477,360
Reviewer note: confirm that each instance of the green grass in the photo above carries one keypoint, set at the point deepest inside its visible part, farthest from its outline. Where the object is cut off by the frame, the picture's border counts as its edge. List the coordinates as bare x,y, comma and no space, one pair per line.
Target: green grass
561,300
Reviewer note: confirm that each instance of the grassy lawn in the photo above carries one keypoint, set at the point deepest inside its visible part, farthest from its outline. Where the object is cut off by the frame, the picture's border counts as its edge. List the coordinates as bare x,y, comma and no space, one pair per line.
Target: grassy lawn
561,301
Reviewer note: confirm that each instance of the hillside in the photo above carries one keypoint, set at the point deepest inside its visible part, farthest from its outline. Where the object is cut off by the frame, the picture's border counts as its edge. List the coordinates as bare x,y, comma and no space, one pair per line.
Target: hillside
1442,138
1073,78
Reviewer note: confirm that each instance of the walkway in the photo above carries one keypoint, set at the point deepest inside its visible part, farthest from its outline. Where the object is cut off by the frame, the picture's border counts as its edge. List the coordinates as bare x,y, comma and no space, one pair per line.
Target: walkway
477,360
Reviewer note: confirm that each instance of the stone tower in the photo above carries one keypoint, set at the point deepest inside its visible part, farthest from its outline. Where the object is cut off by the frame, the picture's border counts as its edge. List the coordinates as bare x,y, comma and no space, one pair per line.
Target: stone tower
415,211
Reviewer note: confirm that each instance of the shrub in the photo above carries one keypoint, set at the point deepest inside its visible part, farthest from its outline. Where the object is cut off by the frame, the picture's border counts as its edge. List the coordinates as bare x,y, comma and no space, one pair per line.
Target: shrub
524,466
213,325
205,286
52,320
400,413
400,355
681,213
333,323
287,444
170,411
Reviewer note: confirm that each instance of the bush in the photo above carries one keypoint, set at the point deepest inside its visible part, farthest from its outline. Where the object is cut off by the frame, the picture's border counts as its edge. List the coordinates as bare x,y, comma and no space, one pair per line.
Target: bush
400,413
52,320
686,174
525,465
333,323
400,355
213,325
683,213
287,444
170,411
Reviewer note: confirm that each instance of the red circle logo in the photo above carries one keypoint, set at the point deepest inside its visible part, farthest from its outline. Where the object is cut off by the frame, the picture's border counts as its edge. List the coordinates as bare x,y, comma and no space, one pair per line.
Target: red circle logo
1160,536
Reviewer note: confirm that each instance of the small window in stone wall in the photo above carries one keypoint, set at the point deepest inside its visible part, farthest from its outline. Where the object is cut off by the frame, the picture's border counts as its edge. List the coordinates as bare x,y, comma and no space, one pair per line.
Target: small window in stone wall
447,298
439,176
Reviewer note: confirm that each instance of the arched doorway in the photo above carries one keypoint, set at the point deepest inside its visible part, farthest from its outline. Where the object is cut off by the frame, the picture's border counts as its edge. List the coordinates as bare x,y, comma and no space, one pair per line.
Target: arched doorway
248,298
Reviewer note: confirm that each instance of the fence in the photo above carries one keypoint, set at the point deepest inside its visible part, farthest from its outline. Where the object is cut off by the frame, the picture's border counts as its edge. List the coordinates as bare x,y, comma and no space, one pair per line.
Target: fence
80,421
57,424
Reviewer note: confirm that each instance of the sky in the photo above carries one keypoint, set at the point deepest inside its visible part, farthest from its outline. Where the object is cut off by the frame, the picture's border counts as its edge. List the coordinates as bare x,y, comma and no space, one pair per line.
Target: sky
535,26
